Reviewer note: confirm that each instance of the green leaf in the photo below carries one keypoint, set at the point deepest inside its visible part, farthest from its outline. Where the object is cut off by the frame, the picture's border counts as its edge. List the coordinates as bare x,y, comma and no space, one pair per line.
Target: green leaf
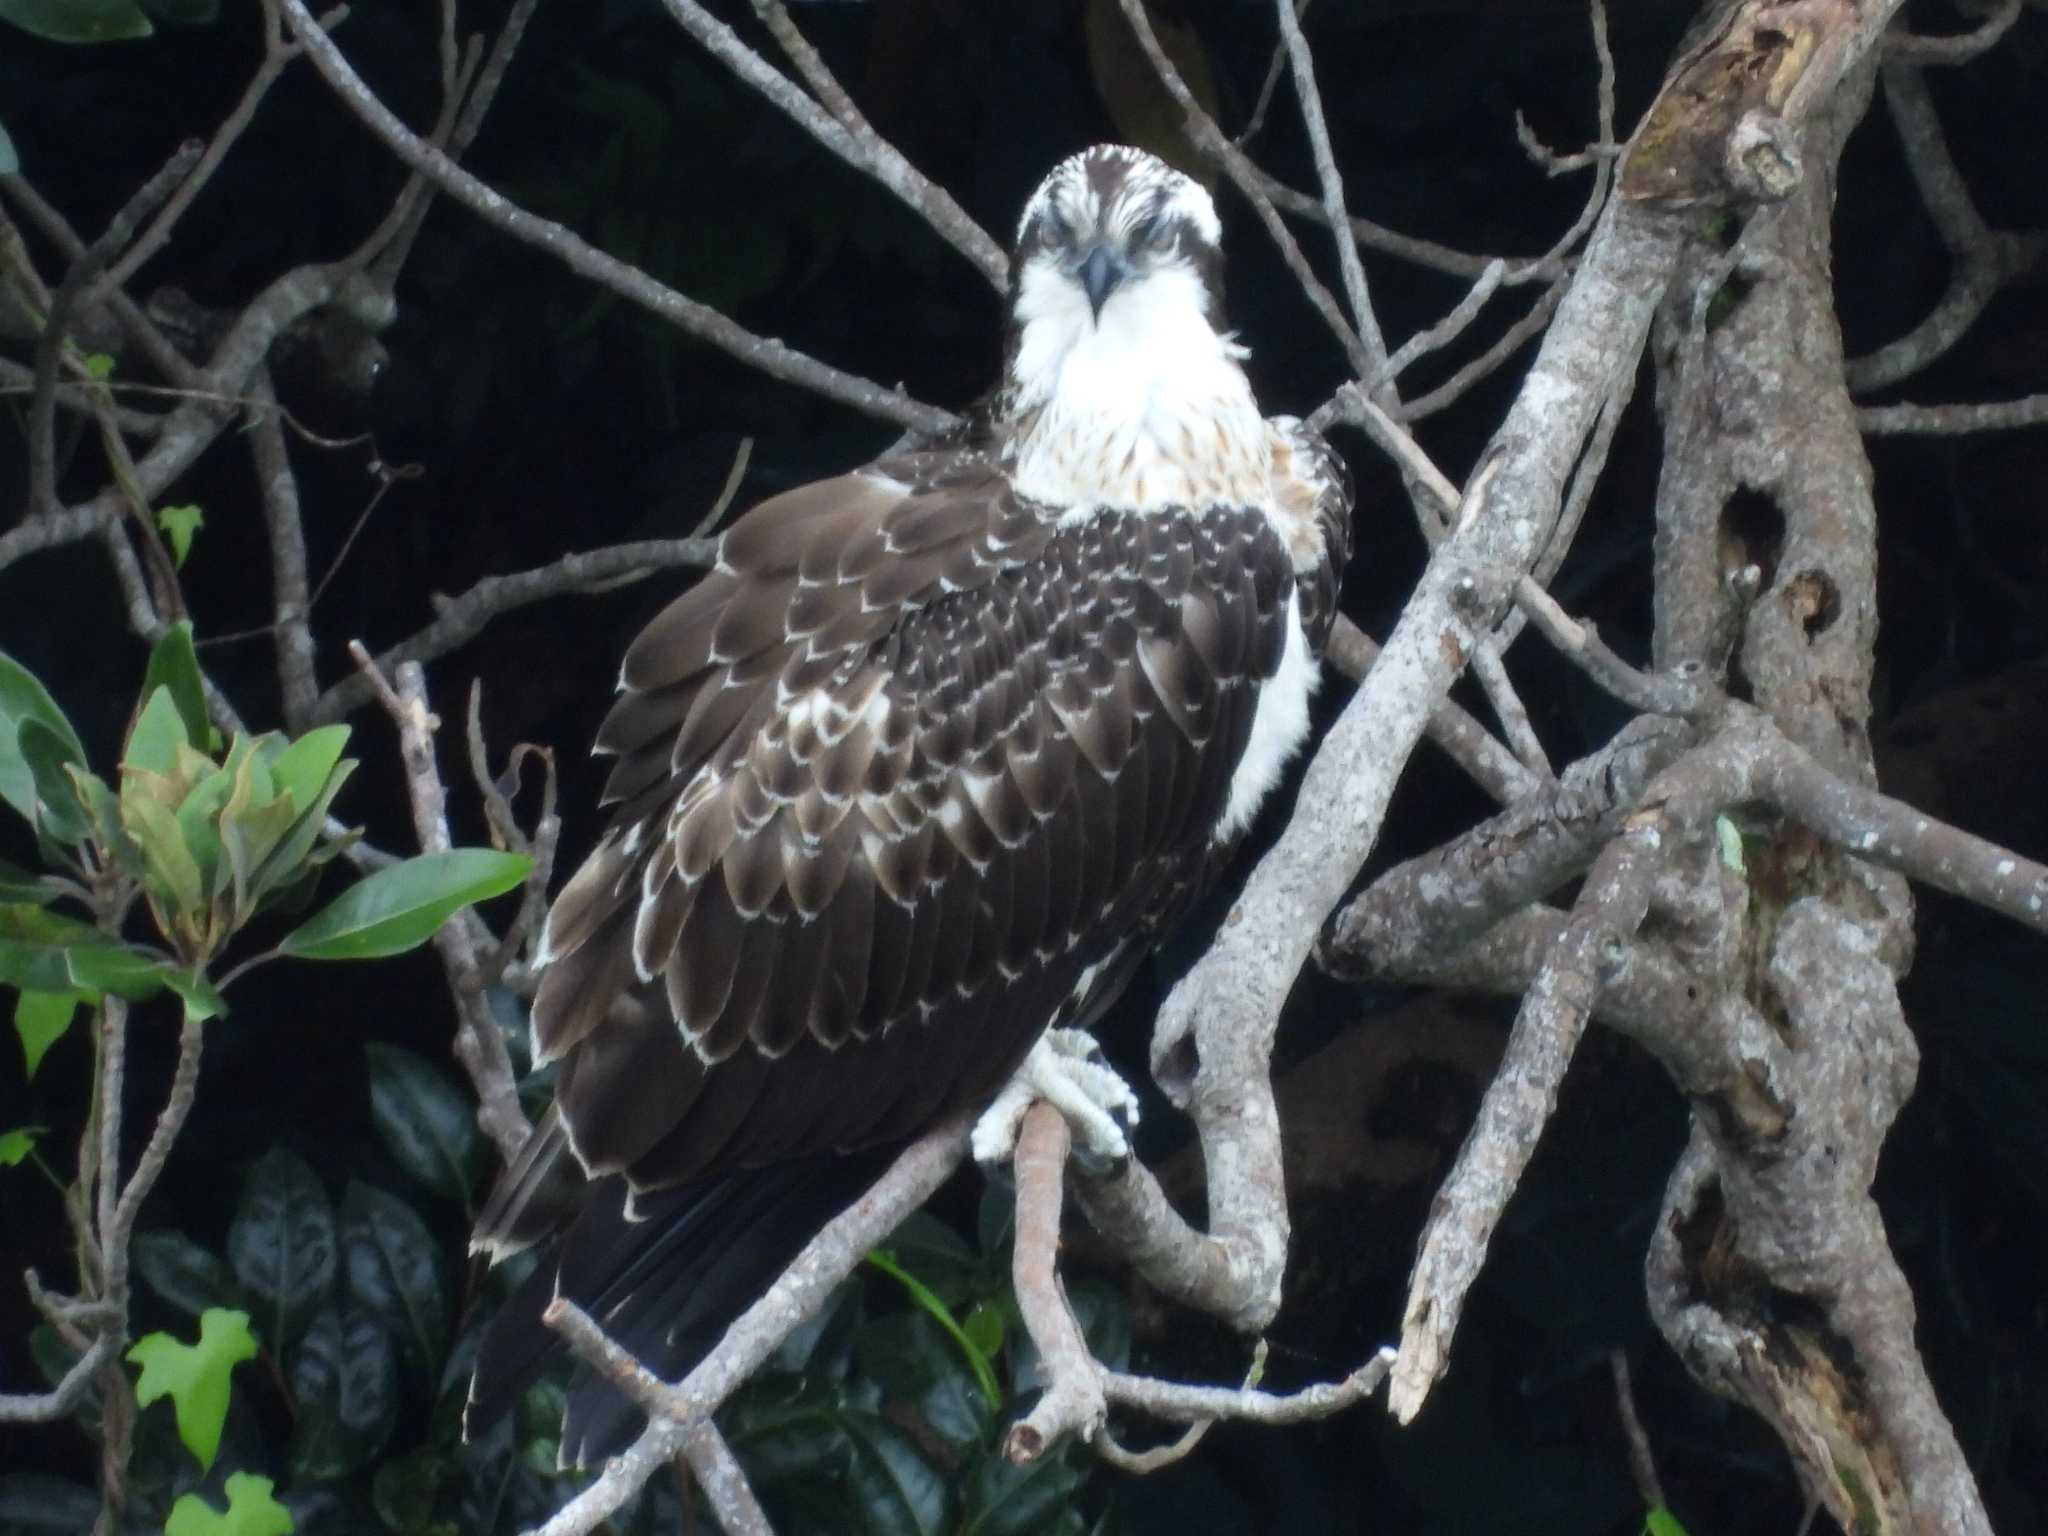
47,952
1661,1522
399,908
394,1269
77,21
425,1120
302,769
201,997
252,824
179,524
60,814
985,1328
174,664
15,1145
251,1511
22,697
195,1376
941,1314
189,1277
291,860
344,1381
41,1018
10,162
116,968
157,734
18,884
282,1245
98,366
171,872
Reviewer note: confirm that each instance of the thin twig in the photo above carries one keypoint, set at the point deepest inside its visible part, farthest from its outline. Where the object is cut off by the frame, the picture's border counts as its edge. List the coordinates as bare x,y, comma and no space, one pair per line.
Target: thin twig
1211,141
463,618
1640,1462
1469,744
479,1043
1955,48
843,131
1173,1400
1331,180
802,1288
69,294
1980,258
276,54
629,282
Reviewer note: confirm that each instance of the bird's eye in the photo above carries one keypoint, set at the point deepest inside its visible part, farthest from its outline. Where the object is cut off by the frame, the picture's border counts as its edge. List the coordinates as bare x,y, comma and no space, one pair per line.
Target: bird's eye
1151,233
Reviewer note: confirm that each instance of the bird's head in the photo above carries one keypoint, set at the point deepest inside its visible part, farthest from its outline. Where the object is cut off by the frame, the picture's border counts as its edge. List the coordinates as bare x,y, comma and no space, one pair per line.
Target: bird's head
1113,220
1116,250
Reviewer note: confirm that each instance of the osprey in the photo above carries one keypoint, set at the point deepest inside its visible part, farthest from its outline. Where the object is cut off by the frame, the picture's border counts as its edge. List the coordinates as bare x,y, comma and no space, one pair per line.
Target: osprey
907,784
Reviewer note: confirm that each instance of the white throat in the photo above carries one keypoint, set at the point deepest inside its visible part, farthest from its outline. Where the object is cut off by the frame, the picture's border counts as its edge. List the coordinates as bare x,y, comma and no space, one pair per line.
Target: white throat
1143,407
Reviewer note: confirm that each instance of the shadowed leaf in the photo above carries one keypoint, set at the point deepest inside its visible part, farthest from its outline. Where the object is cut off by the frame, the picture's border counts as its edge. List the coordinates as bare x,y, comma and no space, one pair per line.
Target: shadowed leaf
282,1245
22,697
426,1122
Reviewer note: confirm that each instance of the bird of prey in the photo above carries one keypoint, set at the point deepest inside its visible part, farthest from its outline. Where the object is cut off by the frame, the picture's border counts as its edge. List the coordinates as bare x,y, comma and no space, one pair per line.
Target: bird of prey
909,780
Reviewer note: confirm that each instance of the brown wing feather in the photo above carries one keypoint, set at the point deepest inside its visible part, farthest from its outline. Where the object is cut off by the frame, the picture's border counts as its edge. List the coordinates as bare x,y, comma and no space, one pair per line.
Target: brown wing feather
897,772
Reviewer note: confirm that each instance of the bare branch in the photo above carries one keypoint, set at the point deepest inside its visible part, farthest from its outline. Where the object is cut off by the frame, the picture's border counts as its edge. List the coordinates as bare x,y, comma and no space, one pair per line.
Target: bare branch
60,1400
292,629
876,155
700,320
1072,1402
1351,651
1171,1400
1592,948
463,618
69,295
1953,420
276,54
1640,1462
1980,258
1955,48
1211,141
479,1044
1434,903
802,1288
1331,181
1226,1006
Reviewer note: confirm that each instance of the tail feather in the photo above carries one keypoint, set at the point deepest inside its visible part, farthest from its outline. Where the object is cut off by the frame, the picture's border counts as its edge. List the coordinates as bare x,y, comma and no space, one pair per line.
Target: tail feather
664,1280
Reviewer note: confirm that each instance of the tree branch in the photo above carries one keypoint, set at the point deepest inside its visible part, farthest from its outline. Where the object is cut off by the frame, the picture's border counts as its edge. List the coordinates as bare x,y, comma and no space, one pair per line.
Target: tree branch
802,1288
700,320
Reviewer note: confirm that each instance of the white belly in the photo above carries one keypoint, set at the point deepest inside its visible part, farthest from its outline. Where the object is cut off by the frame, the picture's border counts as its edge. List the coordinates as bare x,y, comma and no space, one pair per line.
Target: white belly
1278,726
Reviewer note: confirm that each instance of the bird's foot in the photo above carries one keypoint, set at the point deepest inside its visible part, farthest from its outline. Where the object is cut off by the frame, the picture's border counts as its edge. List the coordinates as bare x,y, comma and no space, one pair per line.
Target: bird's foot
1065,1069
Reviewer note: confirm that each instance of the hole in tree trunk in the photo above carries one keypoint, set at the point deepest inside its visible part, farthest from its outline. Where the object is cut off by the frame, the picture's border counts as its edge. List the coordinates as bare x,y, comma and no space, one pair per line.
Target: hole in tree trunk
1815,602
1752,533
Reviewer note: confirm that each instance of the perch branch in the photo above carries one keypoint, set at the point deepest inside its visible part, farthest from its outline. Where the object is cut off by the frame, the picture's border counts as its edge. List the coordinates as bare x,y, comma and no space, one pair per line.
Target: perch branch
1072,1402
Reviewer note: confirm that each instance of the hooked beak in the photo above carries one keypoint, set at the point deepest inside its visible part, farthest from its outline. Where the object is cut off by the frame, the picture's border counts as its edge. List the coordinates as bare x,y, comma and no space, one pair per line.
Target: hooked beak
1101,270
